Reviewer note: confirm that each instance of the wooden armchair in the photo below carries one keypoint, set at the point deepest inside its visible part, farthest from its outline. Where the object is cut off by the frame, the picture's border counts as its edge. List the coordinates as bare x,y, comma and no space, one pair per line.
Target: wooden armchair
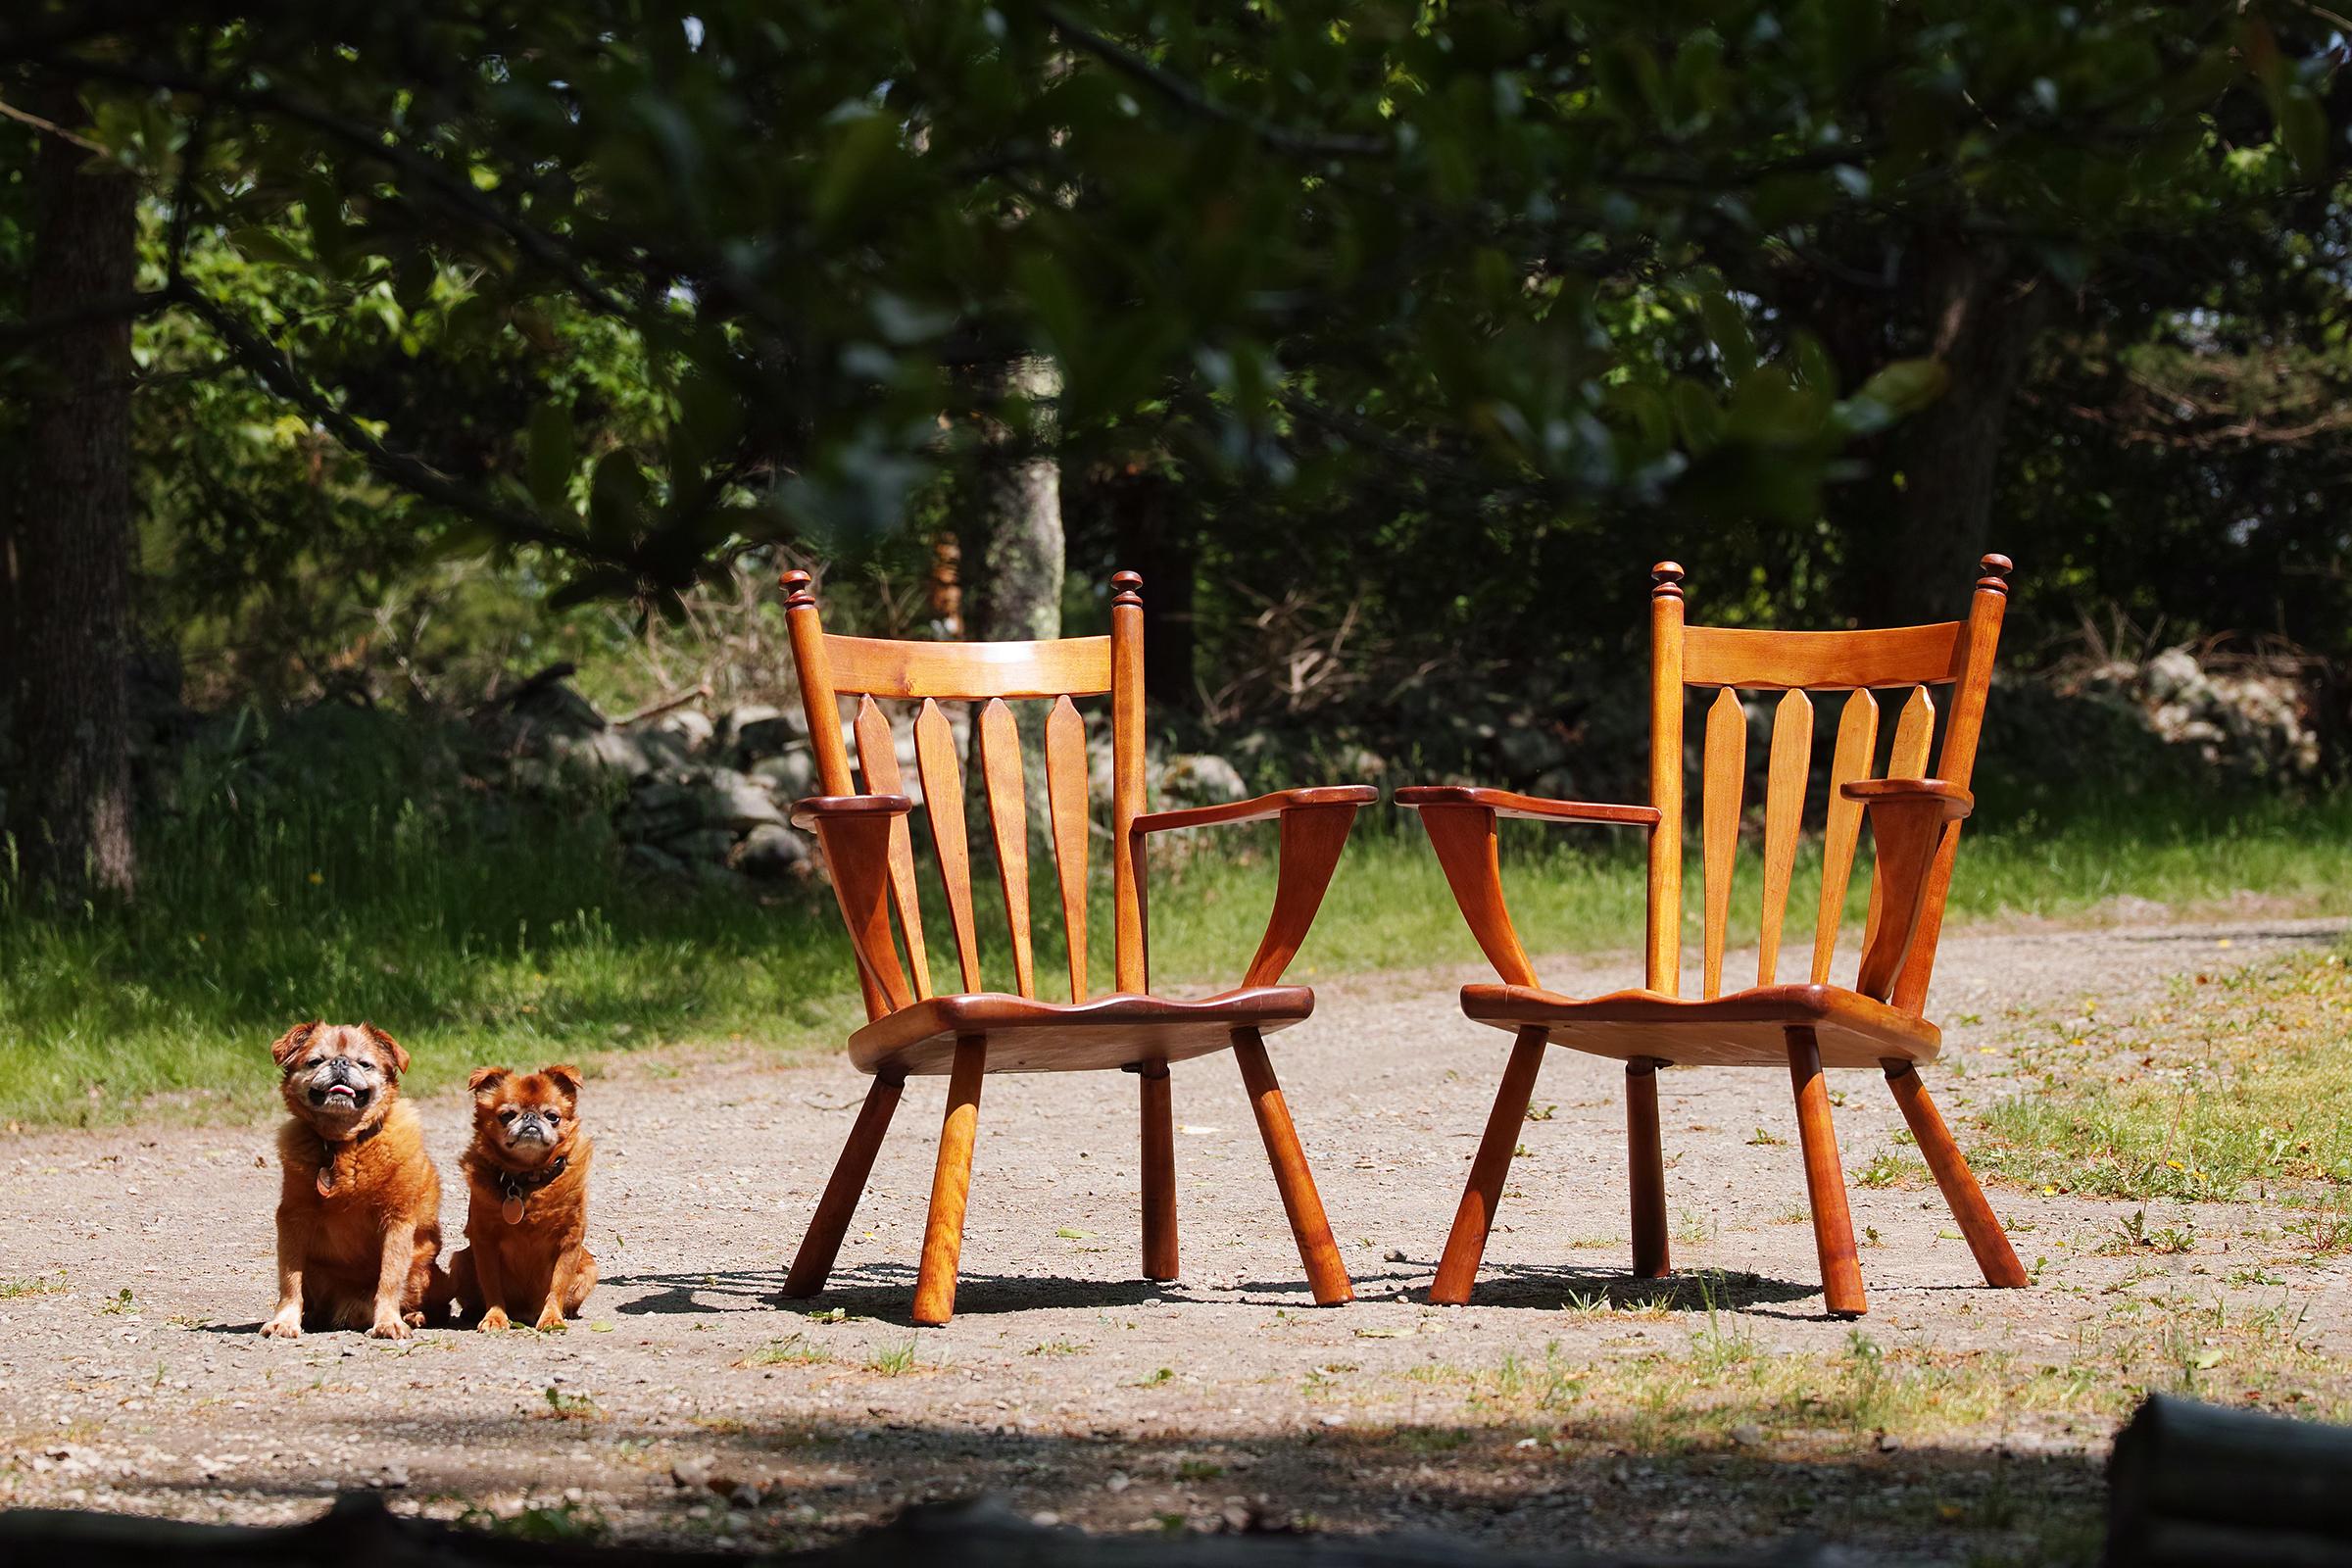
1876,1021
967,1032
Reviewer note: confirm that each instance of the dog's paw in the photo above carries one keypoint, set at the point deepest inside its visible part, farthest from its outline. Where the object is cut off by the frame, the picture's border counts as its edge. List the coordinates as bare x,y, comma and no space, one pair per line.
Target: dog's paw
496,1320
415,1320
389,1328
552,1321
285,1326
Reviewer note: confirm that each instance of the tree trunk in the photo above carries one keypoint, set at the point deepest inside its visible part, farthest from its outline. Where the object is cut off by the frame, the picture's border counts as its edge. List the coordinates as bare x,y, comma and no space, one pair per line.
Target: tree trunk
1013,566
1981,320
70,641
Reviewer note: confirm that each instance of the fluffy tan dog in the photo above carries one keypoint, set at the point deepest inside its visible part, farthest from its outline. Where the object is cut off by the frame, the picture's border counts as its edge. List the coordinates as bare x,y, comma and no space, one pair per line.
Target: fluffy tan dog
527,1211
358,1211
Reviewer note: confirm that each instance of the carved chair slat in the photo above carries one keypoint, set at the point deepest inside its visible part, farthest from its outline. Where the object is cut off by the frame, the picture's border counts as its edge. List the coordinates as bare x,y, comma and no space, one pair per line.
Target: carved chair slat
1722,787
878,763
1067,802
1009,822
1784,812
942,801
1857,743
1907,757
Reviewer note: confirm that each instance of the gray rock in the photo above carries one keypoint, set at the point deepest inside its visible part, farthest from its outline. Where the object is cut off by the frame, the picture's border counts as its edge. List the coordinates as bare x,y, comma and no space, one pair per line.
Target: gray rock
1201,779
691,727
791,776
767,737
738,800
774,854
606,750
735,720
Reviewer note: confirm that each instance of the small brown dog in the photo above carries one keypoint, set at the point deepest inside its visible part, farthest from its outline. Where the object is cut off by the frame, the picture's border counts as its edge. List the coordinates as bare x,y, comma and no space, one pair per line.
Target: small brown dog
527,1210
358,1211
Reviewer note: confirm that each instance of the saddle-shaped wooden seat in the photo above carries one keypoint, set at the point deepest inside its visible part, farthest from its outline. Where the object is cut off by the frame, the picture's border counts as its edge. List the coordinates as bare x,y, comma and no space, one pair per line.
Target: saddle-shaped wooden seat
1026,1035
1746,1029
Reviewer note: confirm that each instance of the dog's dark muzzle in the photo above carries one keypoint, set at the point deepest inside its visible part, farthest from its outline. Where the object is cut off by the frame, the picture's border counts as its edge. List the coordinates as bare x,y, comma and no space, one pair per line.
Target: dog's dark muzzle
531,1128
341,1084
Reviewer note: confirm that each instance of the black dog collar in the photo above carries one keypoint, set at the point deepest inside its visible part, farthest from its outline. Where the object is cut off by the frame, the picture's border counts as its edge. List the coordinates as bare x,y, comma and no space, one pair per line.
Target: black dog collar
517,1186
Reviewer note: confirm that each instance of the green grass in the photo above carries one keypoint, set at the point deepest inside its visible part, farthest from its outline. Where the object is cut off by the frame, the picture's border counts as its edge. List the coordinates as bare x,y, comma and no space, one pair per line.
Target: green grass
479,932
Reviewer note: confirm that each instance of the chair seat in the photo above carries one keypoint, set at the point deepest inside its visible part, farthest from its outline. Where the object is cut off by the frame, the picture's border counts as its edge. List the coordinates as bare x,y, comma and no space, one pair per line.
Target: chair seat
1746,1028
1031,1035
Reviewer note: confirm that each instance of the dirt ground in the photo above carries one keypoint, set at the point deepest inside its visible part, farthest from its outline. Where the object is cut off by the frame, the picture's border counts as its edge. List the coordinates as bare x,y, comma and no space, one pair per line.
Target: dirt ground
691,1402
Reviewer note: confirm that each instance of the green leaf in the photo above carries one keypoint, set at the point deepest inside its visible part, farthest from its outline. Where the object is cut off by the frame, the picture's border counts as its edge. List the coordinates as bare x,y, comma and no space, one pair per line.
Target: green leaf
1908,385
551,456
267,247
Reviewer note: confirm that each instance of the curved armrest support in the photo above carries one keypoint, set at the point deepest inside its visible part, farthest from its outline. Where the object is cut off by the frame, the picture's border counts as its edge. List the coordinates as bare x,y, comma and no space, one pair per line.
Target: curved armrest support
1908,820
1461,818
854,831
1315,829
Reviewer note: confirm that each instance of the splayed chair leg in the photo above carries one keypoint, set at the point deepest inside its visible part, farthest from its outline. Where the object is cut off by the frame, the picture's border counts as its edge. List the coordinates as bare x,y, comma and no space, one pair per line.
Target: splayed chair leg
1985,1238
1308,1227
812,1264
1467,1243
1159,1172
950,1185
1646,1159
1824,1179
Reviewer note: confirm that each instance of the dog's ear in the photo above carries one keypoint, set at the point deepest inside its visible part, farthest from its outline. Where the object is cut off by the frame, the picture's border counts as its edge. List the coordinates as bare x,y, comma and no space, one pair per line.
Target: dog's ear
400,1057
485,1080
565,1076
290,1045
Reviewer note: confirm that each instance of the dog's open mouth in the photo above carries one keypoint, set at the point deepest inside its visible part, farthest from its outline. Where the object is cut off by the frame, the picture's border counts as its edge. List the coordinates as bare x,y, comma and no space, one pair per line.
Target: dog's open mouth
341,1097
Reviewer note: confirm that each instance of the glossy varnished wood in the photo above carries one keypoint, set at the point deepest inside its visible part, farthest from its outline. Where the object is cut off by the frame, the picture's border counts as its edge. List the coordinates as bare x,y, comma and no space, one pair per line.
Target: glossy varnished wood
1130,961
1075,666
1784,809
1159,1171
1473,1218
1857,740
1723,785
1470,855
1743,1029
951,1186
1326,1276
1662,961
1646,1169
1824,1179
812,1264
1066,801
1009,830
1530,807
1907,757
1822,661
1105,1032
1995,1259
943,804
878,761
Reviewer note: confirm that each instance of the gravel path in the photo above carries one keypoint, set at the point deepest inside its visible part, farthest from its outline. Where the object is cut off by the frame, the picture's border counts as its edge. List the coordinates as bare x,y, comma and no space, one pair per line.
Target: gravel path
132,1377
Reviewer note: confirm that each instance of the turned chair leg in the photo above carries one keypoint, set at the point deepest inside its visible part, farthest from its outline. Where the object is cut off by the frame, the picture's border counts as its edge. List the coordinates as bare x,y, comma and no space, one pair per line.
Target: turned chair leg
1985,1238
1308,1226
812,1264
1467,1243
1159,1172
1646,1157
950,1185
1824,1179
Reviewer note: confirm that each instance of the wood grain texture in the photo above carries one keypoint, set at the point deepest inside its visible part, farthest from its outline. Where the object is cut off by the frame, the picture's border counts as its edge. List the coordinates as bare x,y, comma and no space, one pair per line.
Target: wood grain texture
1009,827
1326,1276
950,1187
1116,1030
1474,1216
1662,960
854,833
1646,1169
1130,959
1312,837
1723,785
1906,758
943,803
1746,1029
1075,666
1995,1259
878,761
1907,822
1159,1172
1470,855
812,1264
818,703
1532,807
1857,743
1066,804
1834,660
1262,808
1783,813
1824,1179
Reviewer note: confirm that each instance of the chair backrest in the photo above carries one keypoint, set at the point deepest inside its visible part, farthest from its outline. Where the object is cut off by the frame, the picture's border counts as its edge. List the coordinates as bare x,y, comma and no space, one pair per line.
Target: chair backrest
1957,654
988,674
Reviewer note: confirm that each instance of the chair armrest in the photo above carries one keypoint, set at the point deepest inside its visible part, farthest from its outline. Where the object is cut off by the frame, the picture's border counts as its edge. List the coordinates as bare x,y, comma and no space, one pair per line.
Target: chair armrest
1315,829
1530,808
1261,810
853,830
1460,819
1908,820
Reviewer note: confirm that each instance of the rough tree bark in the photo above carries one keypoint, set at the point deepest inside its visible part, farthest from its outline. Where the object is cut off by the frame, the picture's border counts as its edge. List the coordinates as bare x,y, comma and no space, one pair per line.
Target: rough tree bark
1980,319
1013,561
70,638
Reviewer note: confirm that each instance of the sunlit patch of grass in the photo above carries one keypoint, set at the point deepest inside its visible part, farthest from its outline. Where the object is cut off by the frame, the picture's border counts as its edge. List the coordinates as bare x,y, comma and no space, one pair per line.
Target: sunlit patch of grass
893,1361
2237,1084
796,1350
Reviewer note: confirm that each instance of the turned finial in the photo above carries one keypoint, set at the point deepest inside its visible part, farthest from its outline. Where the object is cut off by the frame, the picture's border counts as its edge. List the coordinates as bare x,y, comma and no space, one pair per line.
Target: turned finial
1127,587
1666,578
795,584
1996,570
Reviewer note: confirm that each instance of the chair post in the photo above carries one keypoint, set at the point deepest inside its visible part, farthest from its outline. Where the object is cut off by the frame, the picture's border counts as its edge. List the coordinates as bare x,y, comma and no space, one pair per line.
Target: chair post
1824,1179
1474,1219
1663,970
950,1185
1646,1159
1995,1259
1325,1273
1130,951
1159,1171
812,1264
